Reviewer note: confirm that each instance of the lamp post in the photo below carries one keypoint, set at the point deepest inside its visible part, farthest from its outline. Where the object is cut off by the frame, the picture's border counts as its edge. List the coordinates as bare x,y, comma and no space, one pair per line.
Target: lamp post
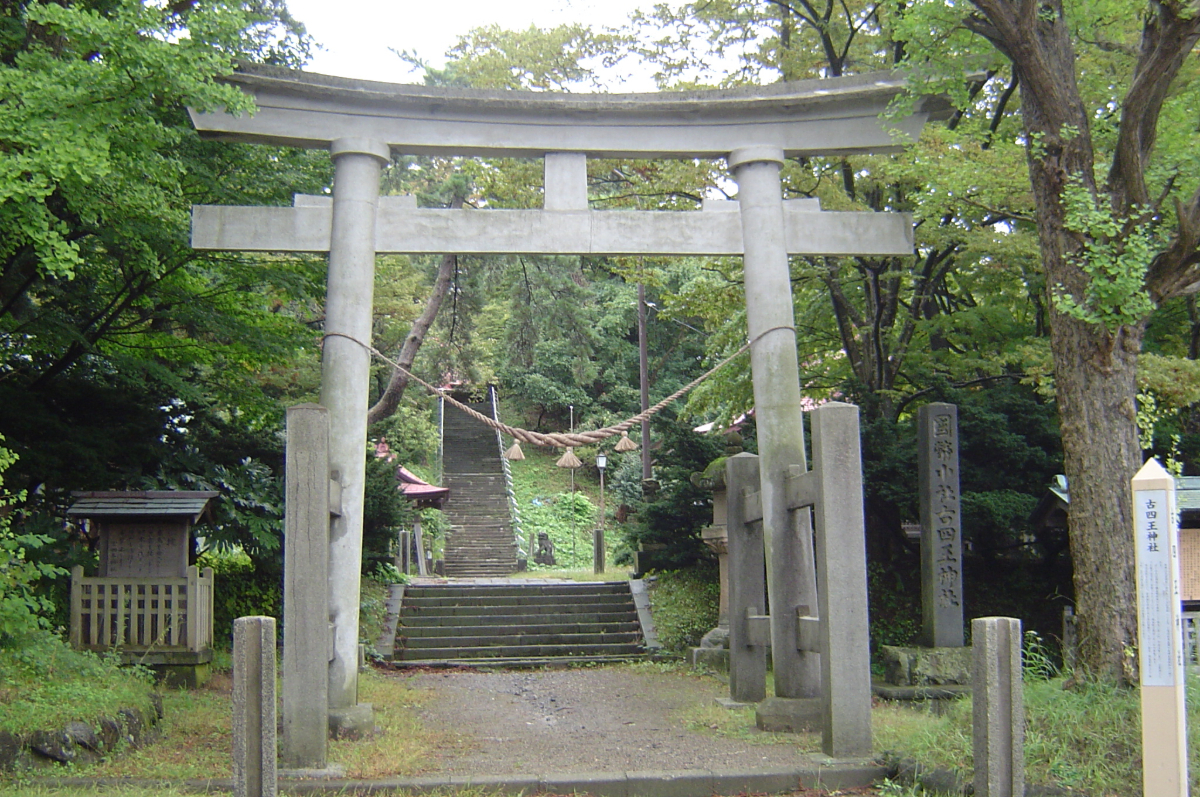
598,535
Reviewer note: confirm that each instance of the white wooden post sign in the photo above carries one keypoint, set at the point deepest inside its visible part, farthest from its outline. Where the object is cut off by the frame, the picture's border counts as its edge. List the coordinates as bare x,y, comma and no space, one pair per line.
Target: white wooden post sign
1160,633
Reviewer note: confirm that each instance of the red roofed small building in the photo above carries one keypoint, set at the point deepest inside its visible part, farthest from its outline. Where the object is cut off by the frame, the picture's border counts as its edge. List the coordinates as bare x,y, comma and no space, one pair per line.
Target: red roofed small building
424,496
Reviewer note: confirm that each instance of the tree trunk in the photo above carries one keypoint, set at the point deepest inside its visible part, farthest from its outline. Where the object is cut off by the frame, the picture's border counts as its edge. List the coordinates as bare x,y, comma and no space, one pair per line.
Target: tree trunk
416,336
412,344
1095,378
1094,366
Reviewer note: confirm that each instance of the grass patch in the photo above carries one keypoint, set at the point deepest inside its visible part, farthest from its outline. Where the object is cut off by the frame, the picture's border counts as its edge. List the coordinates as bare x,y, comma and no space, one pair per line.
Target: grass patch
40,790
44,684
739,724
1085,738
403,746
372,611
194,741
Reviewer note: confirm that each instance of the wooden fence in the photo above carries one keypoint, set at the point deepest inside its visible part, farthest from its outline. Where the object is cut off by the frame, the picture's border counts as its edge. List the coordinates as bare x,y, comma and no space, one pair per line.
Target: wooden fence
142,614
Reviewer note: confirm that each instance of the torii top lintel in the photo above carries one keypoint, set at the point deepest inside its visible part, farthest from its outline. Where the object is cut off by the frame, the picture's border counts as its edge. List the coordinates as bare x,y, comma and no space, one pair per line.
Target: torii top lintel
832,117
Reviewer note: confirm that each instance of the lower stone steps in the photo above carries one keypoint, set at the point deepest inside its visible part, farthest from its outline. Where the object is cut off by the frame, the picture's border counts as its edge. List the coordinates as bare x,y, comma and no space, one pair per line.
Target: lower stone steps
463,624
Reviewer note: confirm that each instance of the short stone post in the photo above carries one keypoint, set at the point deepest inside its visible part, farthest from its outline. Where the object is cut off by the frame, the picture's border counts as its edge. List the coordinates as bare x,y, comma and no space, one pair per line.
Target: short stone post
998,706
748,637
305,589
842,582
254,773
941,526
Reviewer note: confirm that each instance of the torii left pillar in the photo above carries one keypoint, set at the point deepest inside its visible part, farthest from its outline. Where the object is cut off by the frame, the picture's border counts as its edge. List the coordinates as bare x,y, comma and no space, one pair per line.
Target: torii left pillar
791,571
345,373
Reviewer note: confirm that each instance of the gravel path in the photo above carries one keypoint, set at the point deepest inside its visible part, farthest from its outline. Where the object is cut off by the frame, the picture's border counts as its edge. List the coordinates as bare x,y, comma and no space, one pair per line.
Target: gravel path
608,719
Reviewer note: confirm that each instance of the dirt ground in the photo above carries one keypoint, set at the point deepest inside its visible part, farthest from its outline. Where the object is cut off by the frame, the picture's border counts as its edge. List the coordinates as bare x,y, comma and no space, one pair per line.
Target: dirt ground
585,720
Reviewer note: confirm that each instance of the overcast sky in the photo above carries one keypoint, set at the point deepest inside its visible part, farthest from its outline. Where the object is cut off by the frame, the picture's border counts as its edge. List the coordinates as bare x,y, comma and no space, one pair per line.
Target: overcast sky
355,35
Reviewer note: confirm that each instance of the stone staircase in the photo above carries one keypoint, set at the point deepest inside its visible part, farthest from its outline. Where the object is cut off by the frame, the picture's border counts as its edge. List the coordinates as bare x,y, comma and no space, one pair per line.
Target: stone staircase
480,541
498,623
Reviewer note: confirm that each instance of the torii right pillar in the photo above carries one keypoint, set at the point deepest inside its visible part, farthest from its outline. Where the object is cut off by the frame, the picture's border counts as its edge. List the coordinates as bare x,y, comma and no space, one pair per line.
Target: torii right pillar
791,571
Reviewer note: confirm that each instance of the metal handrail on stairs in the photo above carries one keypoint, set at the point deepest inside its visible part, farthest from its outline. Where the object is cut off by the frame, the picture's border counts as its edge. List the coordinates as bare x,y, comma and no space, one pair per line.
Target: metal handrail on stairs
441,434
514,511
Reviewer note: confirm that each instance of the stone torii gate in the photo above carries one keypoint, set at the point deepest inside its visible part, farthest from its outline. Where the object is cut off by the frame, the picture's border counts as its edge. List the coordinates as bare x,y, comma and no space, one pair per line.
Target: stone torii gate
362,123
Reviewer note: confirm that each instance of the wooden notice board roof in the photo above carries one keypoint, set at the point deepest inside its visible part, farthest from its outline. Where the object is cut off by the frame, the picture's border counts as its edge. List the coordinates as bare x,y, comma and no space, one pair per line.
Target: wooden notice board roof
192,504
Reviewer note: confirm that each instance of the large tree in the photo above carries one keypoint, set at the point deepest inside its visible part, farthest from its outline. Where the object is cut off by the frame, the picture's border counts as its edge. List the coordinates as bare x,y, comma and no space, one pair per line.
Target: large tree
127,358
1107,92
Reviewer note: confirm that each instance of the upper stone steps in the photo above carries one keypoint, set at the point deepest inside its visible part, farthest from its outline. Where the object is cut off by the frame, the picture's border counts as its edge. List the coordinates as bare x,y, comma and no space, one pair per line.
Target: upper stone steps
480,541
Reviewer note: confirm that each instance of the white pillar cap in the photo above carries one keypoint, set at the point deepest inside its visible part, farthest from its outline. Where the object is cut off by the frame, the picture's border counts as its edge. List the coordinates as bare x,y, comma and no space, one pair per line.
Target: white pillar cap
360,146
760,154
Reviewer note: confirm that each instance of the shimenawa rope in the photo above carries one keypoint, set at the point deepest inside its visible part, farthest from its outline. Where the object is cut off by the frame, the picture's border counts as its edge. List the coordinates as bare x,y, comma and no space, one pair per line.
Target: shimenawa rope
570,439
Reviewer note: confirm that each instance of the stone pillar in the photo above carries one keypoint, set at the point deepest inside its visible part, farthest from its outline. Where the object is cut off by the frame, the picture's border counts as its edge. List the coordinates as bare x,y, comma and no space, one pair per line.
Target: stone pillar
998,707
791,580
254,773
716,537
747,584
941,526
306,589
713,652
842,579
403,551
419,544
344,389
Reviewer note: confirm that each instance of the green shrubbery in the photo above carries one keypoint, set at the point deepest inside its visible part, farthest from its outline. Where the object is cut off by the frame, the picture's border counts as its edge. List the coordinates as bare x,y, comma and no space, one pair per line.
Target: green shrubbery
242,588
686,605
44,684
21,610
568,519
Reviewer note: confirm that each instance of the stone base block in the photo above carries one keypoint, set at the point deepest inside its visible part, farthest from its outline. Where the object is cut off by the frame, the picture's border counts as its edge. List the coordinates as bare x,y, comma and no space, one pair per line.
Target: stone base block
716,659
789,714
927,666
331,772
731,704
187,676
180,668
353,722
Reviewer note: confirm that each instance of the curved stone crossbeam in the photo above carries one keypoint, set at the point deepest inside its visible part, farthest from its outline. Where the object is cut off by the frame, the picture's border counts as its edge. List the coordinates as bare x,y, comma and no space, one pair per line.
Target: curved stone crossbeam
836,116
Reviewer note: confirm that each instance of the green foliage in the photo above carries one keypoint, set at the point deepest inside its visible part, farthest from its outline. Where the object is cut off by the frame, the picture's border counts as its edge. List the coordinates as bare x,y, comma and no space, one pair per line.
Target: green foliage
243,587
894,599
551,59
128,359
1037,660
1169,391
568,519
1117,251
386,573
44,684
248,515
1008,452
685,605
22,611
673,517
